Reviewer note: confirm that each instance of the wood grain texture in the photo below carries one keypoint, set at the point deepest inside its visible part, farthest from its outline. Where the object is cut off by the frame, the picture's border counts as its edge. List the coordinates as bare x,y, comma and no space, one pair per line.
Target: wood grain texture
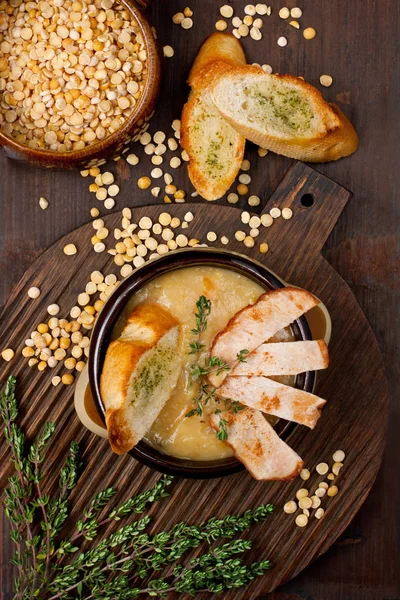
356,43
352,421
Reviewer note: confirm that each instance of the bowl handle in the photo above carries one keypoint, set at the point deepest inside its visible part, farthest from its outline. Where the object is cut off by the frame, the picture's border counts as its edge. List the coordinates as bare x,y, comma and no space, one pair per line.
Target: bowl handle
80,408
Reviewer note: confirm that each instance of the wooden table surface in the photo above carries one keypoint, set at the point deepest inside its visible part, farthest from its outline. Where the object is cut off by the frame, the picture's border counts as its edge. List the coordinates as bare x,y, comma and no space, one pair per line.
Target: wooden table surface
358,44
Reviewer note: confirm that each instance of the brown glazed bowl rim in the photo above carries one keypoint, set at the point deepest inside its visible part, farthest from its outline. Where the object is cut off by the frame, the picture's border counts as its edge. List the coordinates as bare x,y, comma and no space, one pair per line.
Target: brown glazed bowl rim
178,259
88,153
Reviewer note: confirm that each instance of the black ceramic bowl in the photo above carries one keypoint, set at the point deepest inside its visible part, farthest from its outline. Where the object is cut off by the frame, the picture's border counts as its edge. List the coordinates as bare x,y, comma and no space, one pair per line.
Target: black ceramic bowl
112,309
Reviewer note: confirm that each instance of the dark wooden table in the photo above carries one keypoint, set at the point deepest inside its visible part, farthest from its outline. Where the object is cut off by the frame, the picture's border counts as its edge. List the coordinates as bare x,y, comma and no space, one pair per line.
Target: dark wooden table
358,43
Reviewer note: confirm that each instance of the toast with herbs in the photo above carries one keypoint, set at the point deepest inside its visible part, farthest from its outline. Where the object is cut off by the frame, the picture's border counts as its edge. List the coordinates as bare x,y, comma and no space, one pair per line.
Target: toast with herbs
284,114
215,149
140,371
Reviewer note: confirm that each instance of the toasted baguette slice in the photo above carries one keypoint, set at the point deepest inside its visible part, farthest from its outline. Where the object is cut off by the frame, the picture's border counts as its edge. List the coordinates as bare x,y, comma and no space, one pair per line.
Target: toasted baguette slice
140,371
215,149
218,47
284,114
284,358
274,398
258,322
257,446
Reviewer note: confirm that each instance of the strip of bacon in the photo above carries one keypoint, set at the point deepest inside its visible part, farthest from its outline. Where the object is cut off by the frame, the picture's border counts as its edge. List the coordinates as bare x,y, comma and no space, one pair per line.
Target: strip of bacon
284,358
259,322
257,446
274,398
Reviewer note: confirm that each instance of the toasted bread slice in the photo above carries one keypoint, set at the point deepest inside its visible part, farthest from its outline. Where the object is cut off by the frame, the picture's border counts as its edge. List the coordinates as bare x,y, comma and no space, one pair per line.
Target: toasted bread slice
274,398
284,358
258,322
140,371
218,47
284,114
257,446
215,149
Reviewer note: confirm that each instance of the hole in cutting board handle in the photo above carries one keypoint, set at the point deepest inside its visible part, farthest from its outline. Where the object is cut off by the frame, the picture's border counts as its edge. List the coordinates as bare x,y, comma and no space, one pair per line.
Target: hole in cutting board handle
307,200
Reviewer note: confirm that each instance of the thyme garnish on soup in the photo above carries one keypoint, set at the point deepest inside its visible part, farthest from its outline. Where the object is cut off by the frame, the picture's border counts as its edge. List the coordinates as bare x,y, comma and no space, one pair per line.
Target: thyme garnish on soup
205,365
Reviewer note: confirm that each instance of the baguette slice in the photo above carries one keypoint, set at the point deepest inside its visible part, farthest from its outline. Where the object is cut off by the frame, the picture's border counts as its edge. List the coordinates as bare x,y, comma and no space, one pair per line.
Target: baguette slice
274,398
258,322
257,446
284,114
215,149
284,358
140,371
218,47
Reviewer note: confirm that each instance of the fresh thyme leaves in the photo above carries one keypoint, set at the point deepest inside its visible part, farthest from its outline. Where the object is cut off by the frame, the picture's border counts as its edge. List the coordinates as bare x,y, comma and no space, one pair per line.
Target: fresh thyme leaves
232,406
222,433
212,364
242,356
200,371
203,306
24,497
129,562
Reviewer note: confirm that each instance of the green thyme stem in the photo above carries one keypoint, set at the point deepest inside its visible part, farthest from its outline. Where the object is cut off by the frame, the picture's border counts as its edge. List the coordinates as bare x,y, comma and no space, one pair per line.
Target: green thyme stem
200,372
89,526
45,519
128,557
65,592
28,533
181,539
83,580
27,525
22,571
79,534
203,306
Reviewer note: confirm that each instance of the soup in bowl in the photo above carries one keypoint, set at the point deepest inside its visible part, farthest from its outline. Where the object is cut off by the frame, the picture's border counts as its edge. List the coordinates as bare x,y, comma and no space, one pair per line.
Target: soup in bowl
177,443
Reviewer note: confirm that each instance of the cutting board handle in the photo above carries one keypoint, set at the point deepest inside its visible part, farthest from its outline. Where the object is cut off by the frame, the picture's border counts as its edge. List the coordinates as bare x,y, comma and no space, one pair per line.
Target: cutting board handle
317,203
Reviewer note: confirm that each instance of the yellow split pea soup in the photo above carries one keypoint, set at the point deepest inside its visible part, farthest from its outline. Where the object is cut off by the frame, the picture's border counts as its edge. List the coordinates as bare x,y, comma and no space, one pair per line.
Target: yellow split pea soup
173,433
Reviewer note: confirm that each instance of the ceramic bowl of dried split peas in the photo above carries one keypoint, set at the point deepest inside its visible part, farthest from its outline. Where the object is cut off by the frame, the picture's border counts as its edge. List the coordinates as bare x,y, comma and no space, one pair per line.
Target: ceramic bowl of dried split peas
79,79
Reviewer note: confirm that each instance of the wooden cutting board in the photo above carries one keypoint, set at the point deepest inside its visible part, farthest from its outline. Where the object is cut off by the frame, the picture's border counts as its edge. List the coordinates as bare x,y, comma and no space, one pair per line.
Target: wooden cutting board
355,386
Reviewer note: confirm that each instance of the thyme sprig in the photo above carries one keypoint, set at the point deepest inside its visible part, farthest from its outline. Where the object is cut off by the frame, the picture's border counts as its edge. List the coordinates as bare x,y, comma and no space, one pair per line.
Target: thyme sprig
203,306
207,365
129,562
